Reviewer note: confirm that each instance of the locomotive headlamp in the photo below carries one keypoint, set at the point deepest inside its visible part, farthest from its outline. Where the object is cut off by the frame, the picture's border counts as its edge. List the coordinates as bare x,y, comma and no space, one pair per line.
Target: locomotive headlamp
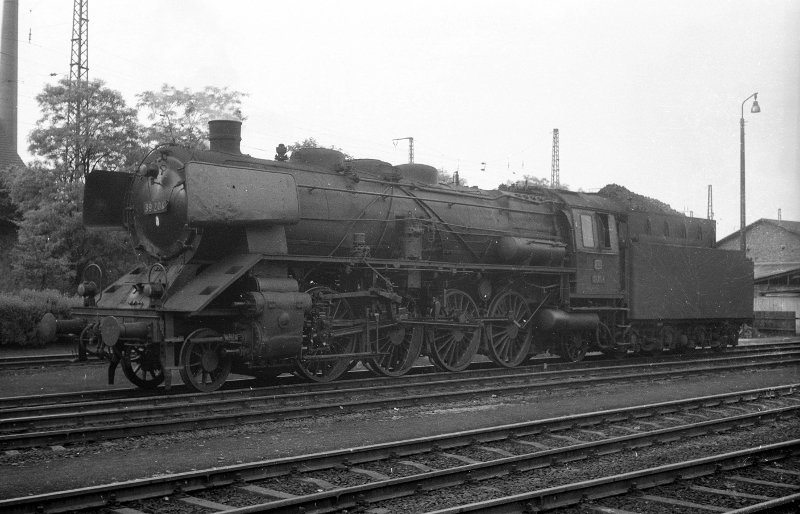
148,170
87,289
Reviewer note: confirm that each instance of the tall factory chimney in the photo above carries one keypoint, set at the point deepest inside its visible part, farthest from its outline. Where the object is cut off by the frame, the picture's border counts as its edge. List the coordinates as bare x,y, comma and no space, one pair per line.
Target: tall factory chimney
8,84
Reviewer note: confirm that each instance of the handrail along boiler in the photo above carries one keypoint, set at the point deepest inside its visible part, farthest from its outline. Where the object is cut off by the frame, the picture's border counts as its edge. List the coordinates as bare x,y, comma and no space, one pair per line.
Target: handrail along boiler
313,263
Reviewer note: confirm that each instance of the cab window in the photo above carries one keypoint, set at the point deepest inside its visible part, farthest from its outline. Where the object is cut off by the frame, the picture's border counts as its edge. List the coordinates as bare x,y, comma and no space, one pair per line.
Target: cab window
603,231
587,231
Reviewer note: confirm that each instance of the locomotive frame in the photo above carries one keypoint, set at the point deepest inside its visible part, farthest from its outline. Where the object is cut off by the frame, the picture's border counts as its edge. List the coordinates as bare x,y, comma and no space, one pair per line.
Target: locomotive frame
314,263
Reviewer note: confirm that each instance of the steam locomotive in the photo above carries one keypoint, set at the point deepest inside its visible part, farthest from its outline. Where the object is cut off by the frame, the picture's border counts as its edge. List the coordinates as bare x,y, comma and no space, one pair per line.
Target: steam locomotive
313,262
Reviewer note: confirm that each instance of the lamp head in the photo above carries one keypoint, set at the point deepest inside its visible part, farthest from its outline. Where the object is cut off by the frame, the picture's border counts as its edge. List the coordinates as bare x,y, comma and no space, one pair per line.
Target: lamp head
755,107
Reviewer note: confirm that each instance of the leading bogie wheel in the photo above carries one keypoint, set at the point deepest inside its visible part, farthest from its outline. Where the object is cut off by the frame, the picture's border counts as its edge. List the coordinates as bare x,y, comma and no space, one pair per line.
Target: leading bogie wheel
508,342
326,316
204,364
142,365
452,348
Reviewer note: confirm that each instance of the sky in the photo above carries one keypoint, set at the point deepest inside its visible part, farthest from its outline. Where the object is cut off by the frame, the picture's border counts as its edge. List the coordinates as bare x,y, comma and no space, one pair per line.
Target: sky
645,94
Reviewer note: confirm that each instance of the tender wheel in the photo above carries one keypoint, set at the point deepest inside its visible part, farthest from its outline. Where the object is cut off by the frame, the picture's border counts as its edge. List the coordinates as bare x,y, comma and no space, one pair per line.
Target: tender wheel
699,336
325,317
204,364
650,346
452,348
508,342
142,365
608,344
573,347
401,347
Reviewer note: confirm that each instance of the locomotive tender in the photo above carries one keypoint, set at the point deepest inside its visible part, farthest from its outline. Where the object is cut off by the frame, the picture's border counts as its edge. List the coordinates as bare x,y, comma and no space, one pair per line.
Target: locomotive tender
313,263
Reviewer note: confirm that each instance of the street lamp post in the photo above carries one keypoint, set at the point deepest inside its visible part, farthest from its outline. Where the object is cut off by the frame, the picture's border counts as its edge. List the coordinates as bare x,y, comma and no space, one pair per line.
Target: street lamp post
754,109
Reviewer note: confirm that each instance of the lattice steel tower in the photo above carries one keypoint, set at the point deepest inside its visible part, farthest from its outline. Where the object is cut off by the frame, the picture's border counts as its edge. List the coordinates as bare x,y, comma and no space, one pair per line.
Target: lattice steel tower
410,147
555,179
78,80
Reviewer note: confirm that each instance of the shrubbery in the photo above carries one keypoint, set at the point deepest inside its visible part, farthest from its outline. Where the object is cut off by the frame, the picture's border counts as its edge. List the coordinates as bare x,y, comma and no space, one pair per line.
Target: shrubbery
20,314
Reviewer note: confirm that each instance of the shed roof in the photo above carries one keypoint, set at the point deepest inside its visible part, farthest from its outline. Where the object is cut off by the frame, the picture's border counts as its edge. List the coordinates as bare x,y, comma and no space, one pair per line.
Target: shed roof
770,270
789,226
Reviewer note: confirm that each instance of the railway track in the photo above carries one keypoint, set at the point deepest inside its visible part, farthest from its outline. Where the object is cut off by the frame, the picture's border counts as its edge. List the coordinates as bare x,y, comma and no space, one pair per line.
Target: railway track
92,419
64,359
710,484
367,378
35,361
447,471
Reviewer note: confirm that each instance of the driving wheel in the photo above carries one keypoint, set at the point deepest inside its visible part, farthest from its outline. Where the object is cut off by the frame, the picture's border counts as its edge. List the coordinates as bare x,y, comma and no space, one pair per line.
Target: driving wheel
326,316
508,342
400,346
452,348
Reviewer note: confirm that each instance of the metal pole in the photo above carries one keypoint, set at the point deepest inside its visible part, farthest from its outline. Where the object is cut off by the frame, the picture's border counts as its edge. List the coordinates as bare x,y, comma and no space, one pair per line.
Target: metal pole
742,236
742,221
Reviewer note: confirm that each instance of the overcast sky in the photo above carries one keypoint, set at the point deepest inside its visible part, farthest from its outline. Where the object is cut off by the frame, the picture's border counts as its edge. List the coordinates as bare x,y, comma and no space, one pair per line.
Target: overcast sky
645,94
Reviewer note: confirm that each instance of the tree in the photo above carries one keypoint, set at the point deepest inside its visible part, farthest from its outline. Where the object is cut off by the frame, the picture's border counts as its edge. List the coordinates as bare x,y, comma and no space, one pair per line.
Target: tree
310,142
110,139
53,247
182,115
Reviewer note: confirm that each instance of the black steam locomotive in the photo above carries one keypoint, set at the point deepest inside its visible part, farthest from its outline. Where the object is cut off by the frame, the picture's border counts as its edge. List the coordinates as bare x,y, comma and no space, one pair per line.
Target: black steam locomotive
313,263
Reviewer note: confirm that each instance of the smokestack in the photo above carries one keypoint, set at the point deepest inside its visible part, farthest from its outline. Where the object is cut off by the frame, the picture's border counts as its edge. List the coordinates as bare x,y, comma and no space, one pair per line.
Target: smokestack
8,73
225,136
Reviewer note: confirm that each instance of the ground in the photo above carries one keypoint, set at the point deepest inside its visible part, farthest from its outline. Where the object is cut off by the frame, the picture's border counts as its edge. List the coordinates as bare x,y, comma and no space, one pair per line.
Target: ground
50,470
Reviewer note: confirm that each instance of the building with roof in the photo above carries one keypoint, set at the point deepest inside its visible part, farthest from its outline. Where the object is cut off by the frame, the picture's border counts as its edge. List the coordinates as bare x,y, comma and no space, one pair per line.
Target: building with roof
774,247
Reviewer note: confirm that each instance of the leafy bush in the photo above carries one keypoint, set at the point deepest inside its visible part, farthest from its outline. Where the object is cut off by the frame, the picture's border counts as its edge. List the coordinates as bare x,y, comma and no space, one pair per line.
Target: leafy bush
20,314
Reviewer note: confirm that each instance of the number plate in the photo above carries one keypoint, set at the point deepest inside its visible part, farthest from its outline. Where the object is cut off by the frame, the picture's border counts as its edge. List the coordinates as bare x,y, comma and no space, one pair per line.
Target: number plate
156,207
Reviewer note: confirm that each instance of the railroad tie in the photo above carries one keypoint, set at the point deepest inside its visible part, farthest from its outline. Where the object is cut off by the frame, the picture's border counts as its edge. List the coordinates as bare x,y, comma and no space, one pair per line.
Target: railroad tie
208,504
767,483
322,484
416,465
465,460
566,438
783,471
264,491
372,474
538,446
681,503
728,492
498,451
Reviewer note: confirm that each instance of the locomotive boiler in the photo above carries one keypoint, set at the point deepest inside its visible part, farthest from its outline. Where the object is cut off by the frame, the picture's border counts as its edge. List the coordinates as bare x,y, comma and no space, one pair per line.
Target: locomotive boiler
313,263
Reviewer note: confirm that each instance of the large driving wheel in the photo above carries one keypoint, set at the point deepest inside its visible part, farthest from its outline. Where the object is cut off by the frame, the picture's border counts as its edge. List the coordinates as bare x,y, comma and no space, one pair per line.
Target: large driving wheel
204,364
509,341
453,348
142,365
326,316
400,347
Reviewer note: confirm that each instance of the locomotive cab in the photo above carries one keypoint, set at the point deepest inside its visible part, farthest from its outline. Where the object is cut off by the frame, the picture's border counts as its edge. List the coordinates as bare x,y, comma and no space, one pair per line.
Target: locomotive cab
595,240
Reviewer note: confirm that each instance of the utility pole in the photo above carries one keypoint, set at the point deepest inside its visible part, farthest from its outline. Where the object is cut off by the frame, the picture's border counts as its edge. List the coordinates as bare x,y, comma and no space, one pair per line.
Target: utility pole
555,179
710,214
78,107
410,147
